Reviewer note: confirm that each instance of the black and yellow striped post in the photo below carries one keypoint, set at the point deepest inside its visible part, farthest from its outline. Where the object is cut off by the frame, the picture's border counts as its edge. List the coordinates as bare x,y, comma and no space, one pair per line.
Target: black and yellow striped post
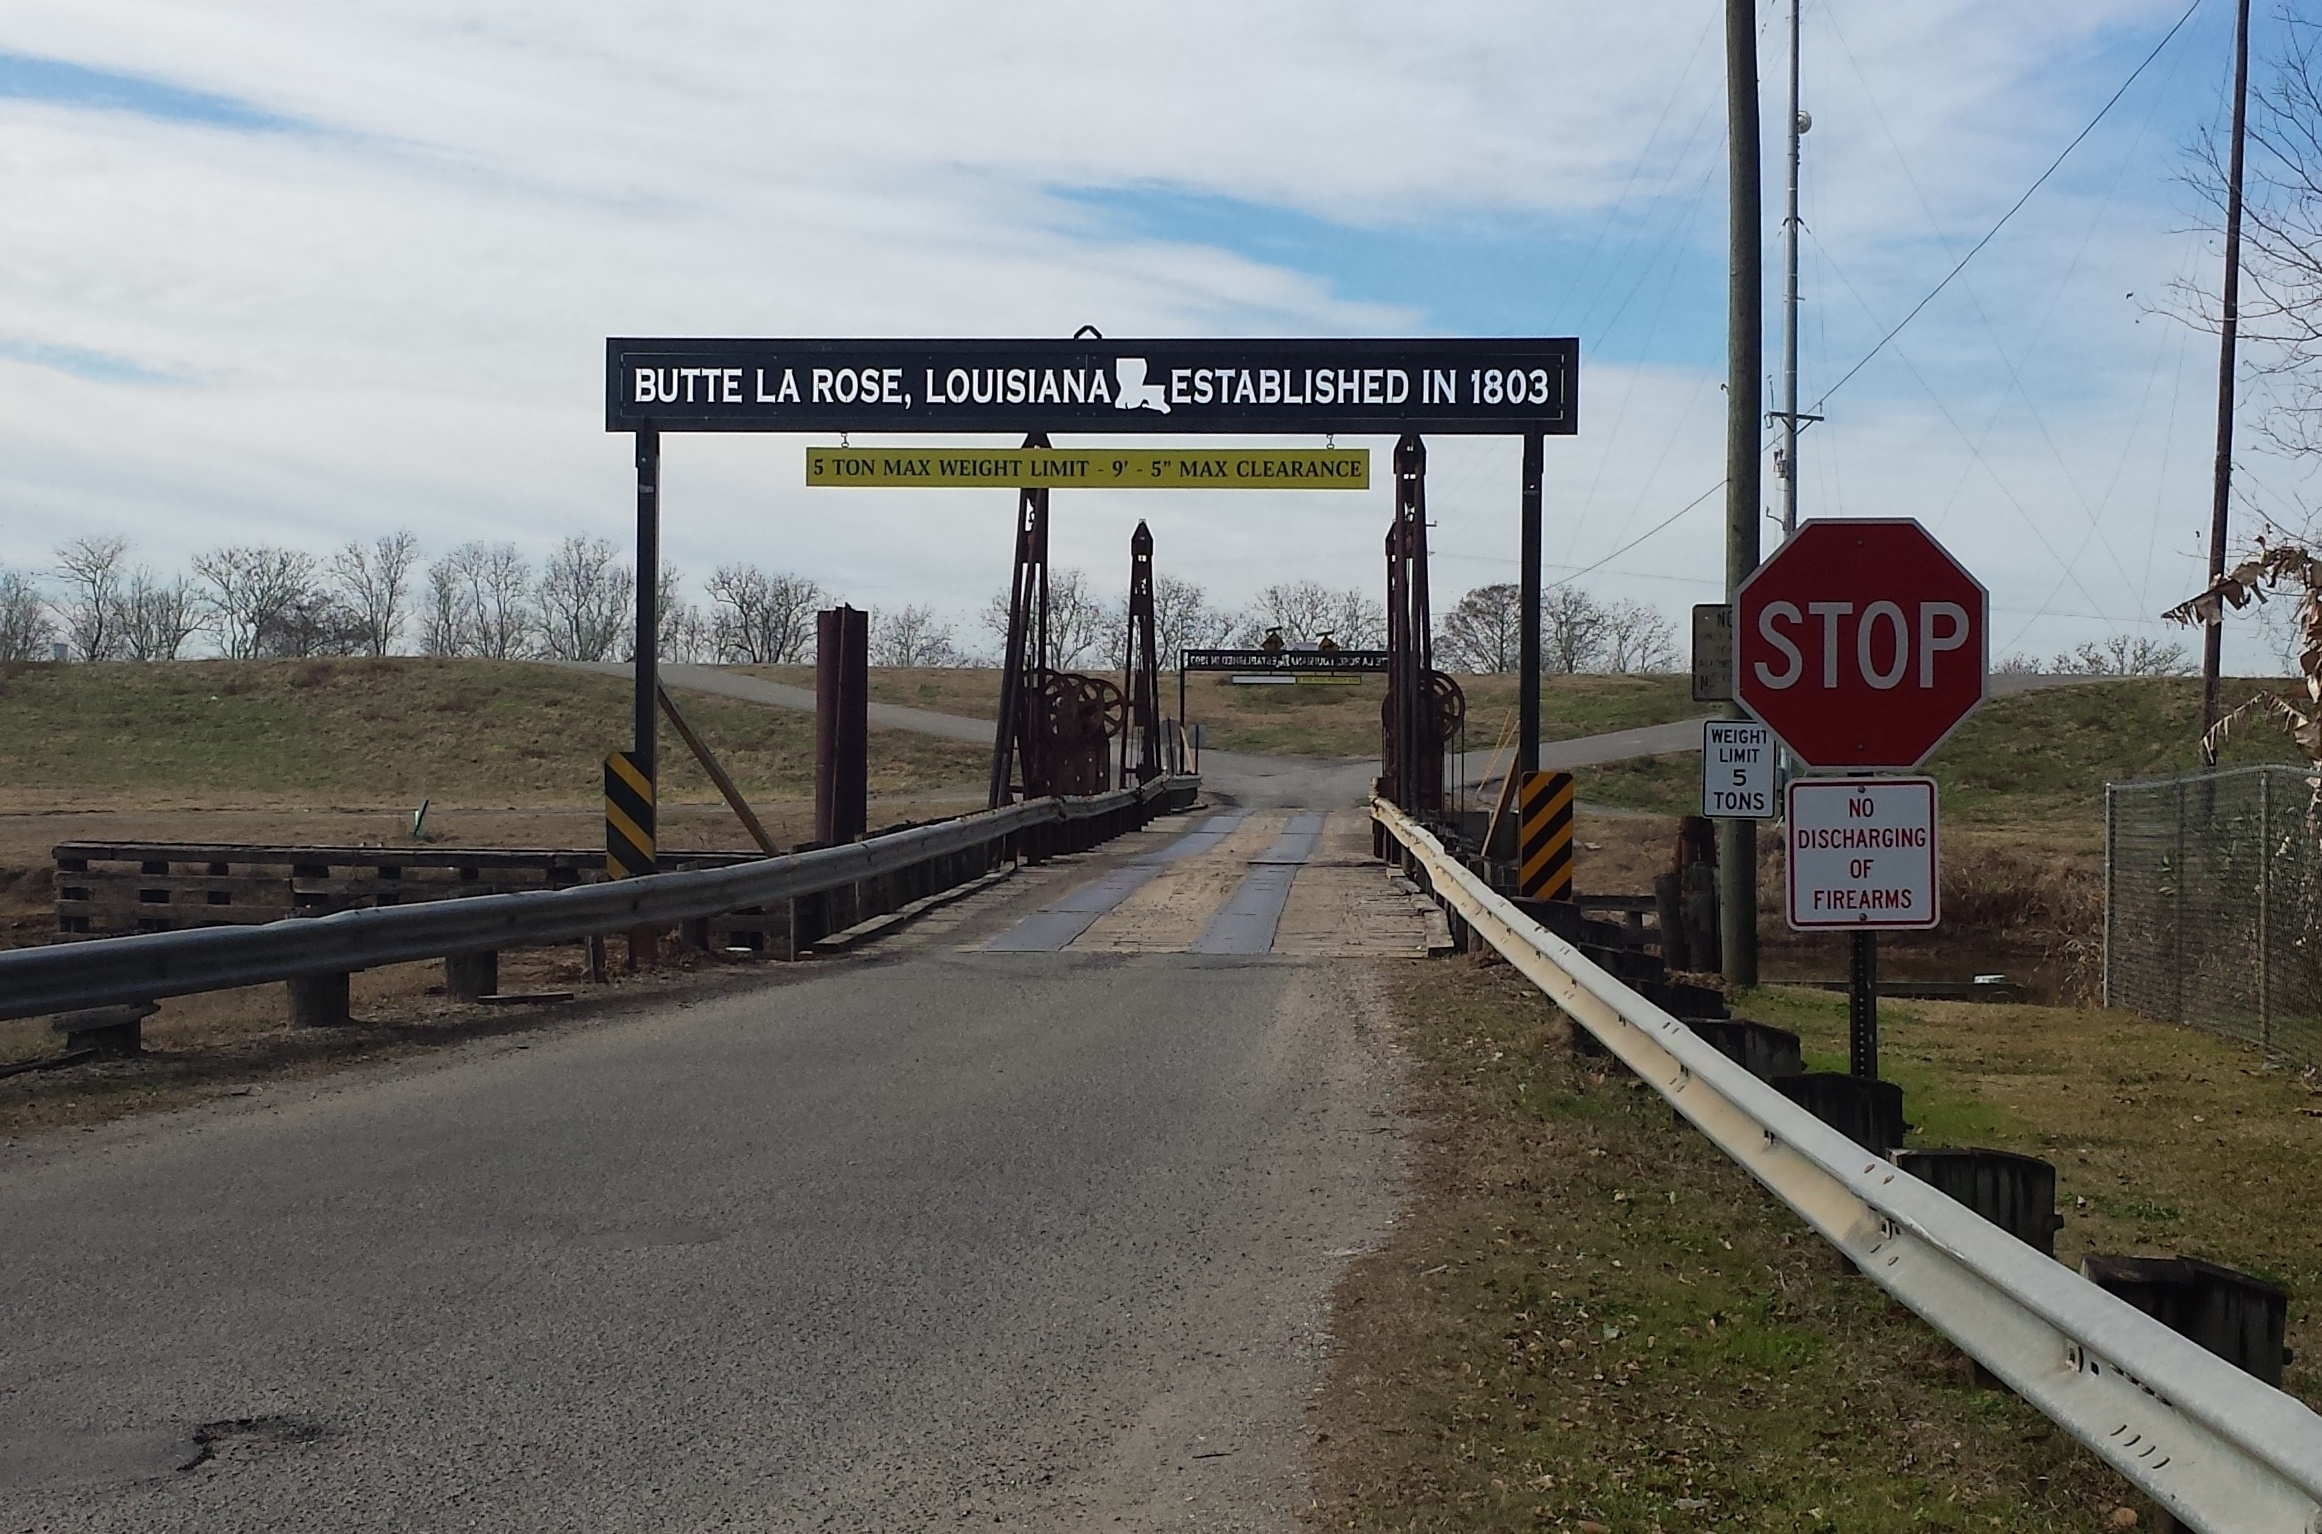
1544,859
628,818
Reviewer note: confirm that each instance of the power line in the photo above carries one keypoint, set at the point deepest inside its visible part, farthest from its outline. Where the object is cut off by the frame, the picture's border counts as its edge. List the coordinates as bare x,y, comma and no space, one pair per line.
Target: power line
1640,538
1993,232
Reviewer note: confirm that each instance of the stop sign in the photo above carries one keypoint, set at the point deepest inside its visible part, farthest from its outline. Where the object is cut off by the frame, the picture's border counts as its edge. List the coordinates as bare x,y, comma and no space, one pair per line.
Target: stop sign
1860,644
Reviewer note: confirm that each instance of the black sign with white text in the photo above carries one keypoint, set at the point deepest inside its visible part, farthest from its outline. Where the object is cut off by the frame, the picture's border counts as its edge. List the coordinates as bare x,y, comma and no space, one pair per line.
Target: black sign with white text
1381,386
1287,662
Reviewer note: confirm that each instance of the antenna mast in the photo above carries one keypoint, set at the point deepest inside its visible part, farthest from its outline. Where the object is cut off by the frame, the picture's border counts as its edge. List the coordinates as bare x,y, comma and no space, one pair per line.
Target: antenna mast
1789,464
1786,456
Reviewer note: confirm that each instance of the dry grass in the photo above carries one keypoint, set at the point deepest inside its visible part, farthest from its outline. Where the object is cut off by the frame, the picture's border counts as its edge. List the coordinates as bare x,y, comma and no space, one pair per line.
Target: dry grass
2035,764
1325,720
2025,906
1590,1314
2164,1138
342,751
393,730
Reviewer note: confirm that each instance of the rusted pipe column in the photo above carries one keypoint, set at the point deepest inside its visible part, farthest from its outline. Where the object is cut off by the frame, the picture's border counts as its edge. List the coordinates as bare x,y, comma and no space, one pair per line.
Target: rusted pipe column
842,681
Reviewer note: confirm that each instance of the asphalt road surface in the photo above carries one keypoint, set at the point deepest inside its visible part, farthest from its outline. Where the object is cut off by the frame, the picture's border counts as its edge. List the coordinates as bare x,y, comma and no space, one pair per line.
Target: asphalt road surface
935,1236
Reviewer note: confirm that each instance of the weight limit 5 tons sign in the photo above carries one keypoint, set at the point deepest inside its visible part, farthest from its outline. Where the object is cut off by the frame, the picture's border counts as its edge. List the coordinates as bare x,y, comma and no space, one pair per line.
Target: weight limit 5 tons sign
1737,770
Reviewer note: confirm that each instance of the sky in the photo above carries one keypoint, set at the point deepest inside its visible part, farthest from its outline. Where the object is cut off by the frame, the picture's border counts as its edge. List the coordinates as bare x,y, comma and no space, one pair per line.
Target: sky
296,274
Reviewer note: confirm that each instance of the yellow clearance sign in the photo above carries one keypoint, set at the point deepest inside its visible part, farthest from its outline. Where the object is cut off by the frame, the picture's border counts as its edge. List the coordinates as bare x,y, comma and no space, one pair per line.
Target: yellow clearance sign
1096,468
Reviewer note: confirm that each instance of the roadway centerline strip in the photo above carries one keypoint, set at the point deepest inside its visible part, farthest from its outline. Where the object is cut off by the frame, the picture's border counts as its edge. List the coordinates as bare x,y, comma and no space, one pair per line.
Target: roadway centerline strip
1051,928
1246,923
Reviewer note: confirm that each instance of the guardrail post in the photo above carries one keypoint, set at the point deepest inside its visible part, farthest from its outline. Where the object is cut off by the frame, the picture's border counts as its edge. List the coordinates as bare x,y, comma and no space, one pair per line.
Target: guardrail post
319,1001
471,976
2015,1192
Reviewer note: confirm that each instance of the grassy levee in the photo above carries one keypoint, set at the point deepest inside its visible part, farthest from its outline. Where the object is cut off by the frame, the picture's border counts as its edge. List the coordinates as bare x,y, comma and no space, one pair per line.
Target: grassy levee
1314,719
2037,761
1341,720
392,729
1590,1319
342,751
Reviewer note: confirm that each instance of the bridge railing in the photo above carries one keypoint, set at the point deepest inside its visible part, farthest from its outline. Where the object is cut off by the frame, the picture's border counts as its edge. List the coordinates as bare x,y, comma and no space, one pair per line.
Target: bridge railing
2212,1444
67,977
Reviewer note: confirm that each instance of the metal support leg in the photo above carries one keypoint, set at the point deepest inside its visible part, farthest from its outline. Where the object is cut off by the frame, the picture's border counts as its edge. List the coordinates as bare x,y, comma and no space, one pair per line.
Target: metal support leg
648,701
1528,686
1862,1007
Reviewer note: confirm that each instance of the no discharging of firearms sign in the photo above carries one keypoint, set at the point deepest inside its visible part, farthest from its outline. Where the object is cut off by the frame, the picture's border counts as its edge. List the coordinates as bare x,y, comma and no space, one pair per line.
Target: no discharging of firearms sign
1862,853
1105,468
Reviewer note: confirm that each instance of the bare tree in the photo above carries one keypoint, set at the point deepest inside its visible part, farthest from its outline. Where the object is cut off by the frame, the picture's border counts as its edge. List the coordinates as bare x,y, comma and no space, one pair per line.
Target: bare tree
503,617
2123,656
1182,620
1483,632
587,597
479,603
443,626
2280,308
377,582
1307,610
248,590
1080,626
1303,610
911,636
2017,664
762,618
26,630
1572,637
94,571
157,616
1078,623
684,633
1638,638
317,622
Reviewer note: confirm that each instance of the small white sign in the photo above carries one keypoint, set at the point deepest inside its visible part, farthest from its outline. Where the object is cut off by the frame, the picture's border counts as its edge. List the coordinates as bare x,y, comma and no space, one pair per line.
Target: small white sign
1862,853
1737,770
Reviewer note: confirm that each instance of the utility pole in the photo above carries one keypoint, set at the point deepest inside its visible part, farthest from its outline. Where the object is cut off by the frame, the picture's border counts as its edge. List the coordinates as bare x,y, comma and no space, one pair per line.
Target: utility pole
1737,840
2229,315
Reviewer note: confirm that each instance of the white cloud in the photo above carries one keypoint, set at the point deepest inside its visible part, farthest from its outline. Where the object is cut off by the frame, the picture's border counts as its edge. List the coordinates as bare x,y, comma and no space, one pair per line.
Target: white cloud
398,317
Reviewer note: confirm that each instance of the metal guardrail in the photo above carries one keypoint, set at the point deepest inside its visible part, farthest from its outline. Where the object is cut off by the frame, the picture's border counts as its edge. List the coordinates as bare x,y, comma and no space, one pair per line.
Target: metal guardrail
2215,1446
70,976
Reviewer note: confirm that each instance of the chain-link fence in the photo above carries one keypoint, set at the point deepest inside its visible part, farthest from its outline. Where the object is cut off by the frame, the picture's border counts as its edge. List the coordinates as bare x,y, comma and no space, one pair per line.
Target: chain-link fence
2212,890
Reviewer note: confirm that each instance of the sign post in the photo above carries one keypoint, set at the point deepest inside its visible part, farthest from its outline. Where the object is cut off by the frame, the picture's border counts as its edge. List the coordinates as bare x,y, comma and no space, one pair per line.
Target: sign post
1862,859
1863,645
1502,386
